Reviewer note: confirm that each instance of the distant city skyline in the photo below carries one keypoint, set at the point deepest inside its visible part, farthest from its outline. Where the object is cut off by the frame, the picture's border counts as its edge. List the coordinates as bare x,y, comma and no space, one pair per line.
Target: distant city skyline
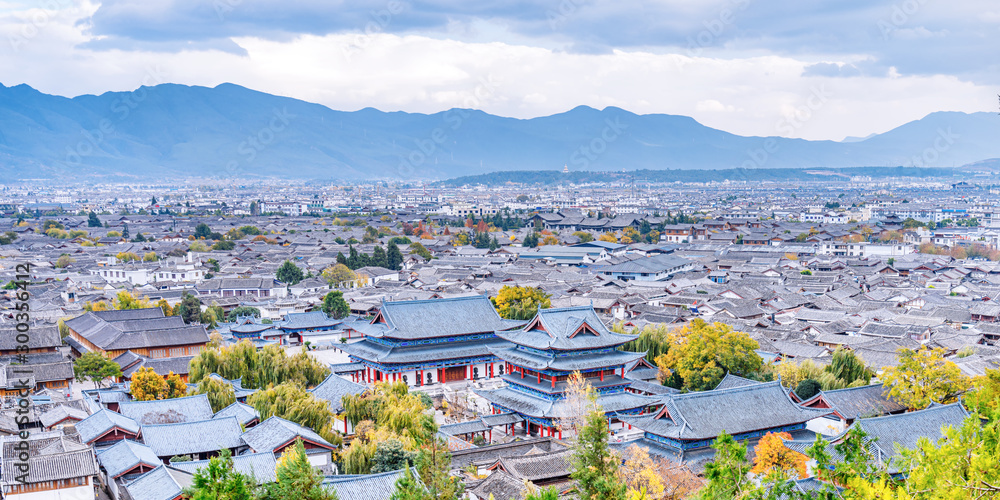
819,70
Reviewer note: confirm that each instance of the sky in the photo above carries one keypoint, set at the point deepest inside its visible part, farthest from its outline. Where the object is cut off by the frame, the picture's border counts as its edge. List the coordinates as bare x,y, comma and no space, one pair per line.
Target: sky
813,69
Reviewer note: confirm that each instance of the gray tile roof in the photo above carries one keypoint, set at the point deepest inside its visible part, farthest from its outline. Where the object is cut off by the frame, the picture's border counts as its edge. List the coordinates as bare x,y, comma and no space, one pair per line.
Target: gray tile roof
858,402
730,381
51,457
259,466
366,486
333,388
244,413
417,319
168,411
543,466
60,413
136,328
103,421
186,438
276,432
125,456
566,328
161,483
704,415
906,429
500,484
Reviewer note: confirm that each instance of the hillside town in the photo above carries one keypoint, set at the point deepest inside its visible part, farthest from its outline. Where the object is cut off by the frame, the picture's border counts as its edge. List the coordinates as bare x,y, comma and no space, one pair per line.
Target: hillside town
483,343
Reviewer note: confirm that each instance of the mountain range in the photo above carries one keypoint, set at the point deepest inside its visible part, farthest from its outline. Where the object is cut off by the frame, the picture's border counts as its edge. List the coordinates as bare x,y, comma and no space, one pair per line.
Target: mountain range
172,131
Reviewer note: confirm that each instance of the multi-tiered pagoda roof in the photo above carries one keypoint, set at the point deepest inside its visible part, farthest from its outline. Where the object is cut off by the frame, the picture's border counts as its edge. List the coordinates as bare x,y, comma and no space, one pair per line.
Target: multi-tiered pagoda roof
430,334
554,344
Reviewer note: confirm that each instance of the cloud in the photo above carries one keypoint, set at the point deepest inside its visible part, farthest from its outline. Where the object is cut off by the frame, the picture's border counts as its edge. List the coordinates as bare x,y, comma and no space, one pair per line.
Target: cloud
755,68
890,32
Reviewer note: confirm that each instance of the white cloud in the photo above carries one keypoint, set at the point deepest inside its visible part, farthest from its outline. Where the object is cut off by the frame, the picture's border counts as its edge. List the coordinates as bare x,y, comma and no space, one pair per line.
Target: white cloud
747,95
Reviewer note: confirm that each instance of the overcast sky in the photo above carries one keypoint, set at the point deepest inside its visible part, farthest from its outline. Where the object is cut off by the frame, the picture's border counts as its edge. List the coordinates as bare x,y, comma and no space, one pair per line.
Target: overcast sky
816,69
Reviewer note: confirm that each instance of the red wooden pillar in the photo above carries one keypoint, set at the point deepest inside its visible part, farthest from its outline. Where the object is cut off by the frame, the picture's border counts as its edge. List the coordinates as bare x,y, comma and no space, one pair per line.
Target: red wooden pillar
522,372
602,375
553,381
560,433
345,425
539,378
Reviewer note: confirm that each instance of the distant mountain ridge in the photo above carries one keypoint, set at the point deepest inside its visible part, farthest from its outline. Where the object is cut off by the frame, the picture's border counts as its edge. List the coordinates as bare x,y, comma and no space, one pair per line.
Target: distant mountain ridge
173,130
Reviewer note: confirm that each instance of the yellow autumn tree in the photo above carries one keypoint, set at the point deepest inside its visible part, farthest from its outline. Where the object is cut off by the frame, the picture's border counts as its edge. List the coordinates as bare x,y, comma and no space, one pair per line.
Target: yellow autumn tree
147,385
608,237
126,300
520,302
924,377
639,473
772,456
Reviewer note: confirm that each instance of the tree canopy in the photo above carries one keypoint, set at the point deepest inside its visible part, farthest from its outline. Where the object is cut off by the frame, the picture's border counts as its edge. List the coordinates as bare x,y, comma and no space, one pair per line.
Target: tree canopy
147,385
520,302
335,306
924,377
289,273
95,368
701,354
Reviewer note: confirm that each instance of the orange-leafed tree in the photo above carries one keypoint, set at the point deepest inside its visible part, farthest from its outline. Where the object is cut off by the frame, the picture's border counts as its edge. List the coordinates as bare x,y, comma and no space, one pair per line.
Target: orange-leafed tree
772,455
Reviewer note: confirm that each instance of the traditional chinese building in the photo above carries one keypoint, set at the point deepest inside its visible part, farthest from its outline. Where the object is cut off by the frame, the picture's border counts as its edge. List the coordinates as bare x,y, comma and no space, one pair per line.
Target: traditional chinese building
146,332
692,421
541,356
426,341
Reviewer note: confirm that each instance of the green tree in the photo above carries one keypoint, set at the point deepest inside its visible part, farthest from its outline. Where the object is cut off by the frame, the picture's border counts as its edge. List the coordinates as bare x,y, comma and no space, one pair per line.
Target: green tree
960,465
219,481
95,368
296,478
390,455
242,311
408,487
846,366
417,248
93,221
289,273
520,302
434,466
728,472
594,465
258,368
220,394
378,257
585,237
807,389
202,231
224,245
984,398
335,306
531,240
924,377
292,402
393,257
189,309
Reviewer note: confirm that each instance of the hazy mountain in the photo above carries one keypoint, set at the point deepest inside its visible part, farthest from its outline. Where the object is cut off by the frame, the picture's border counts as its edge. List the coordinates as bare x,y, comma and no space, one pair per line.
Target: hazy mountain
226,131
